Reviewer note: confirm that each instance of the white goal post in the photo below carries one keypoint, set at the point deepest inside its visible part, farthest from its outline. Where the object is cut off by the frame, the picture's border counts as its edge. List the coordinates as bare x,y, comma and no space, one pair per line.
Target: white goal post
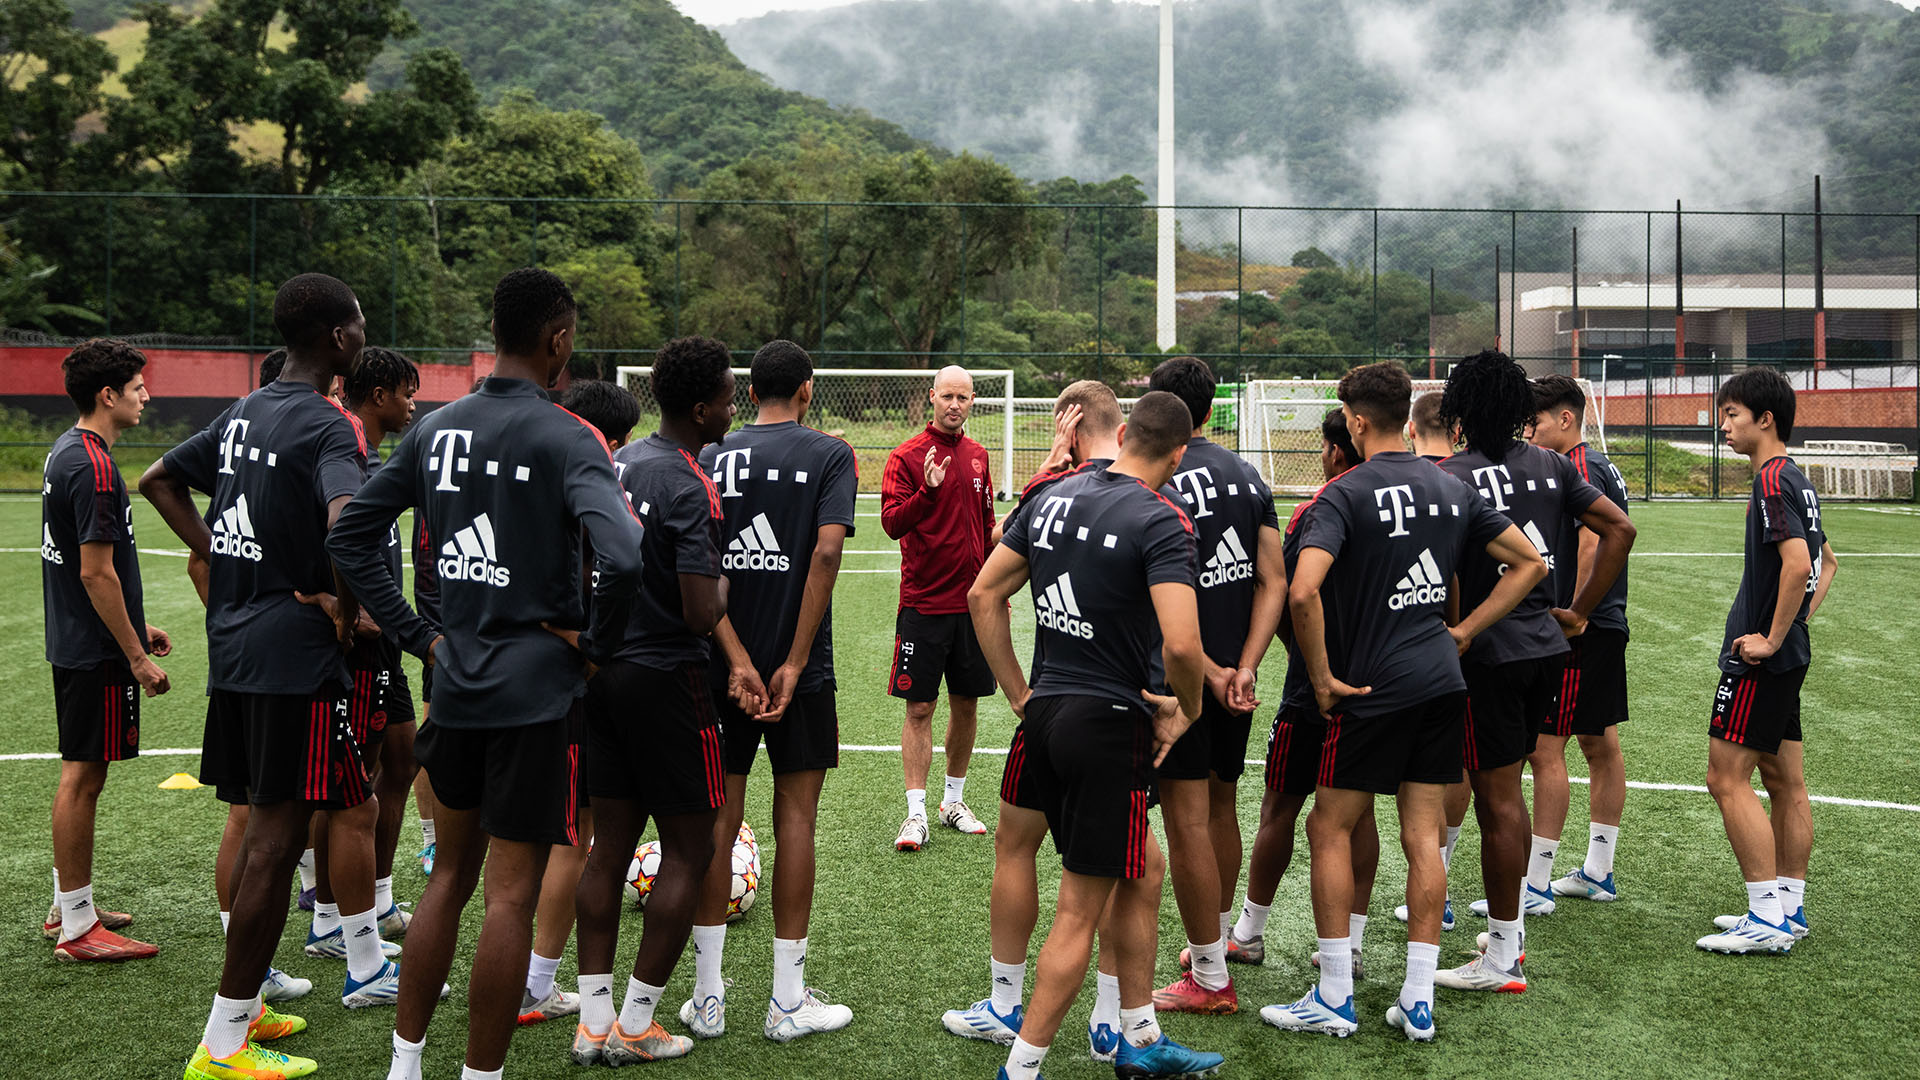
874,410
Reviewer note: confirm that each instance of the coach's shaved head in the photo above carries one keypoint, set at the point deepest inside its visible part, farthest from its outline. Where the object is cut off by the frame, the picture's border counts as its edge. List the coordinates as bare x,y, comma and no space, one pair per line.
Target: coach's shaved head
951,398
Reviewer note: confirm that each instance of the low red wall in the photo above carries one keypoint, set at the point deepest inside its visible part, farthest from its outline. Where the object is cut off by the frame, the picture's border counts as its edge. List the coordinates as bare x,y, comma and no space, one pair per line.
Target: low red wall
34,371
1882,408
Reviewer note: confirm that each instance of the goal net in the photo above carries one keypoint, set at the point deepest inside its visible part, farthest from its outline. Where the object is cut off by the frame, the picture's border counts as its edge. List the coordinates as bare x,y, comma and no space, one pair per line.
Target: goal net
1279,427
875,410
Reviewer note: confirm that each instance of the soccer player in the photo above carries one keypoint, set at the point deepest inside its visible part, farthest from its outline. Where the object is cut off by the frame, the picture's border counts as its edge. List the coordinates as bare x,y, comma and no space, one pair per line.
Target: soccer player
1763,662
507,479
1094,732
1431,439
936,498
280,464
1293,756
653,738
98,639
1513,670
787,493
613,411
1368,601
1242,588
1593,691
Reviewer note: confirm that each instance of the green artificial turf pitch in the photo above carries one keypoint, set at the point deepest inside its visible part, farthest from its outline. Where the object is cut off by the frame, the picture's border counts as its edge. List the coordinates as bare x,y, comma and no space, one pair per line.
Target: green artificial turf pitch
1616,990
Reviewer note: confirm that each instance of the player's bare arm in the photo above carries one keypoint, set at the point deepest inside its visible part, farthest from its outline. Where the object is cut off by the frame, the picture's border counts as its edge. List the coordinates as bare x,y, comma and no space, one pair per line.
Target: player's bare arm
1002,576
703,602
170,495
1310,629
1177,608
102,583
1614,533
1525,569
1828,560
1269,601
823,571
1796,566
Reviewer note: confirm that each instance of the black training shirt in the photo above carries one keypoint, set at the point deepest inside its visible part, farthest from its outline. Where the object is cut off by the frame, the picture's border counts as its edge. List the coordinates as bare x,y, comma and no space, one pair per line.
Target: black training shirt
1611,612
1229,504
681,511
1783,505
83,500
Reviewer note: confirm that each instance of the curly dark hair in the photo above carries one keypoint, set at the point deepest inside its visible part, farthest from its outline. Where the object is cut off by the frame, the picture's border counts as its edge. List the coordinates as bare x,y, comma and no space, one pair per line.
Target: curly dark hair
608,406
1189,379
1380,392
1489,399
271,365
1761,390
779,369
688,371
96,364
379,369
526,304
1333,428
309,307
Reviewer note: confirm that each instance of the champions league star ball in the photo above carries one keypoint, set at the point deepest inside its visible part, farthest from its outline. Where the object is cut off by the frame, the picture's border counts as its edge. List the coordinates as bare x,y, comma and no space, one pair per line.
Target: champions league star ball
641,873
746,875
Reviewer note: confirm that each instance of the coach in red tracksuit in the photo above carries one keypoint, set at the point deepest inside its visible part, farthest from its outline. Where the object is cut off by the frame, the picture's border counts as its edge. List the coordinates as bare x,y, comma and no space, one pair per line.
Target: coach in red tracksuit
936,498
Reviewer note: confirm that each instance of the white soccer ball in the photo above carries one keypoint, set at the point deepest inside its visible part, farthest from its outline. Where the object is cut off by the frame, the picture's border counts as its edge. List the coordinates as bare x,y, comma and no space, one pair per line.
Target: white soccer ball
746,878
642,872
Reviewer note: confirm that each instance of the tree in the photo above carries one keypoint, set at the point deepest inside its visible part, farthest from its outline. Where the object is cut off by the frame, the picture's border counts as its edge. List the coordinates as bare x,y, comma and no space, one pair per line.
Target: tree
50,76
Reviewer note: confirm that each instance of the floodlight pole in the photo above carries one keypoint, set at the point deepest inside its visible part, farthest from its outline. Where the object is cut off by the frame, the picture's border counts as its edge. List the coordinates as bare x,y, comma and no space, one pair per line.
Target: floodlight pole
1165,335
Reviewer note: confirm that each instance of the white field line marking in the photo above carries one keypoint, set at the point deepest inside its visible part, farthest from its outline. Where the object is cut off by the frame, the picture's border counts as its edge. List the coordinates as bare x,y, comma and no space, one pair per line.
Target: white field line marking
860,748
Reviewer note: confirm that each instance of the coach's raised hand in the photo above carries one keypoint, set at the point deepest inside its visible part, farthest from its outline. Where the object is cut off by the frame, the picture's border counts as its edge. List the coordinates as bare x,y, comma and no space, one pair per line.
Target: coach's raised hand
936,473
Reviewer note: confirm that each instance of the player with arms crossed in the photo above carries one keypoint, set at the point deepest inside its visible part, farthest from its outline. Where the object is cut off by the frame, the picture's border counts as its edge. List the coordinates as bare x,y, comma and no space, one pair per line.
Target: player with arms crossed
787,492
508,479
1094,732
1368,601
98,639
279,465
1242,589
1593,692
936,498
1763,663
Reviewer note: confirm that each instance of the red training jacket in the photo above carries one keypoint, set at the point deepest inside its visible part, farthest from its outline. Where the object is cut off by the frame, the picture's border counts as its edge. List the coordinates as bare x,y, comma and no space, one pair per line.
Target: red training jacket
943,531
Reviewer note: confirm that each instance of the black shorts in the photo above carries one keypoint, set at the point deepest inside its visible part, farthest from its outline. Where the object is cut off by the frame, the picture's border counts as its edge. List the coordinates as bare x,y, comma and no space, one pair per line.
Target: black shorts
1758,709
927,647
1593,686
1417,745
98,710
517,777
806,737
577,751
273,748
1091,761
1293,750
1215,745
652,737
1507,704
380,696
1019,785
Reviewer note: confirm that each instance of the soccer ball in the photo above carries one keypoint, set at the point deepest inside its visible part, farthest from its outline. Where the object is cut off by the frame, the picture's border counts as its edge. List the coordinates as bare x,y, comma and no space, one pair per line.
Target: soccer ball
746,837
642,871
746,877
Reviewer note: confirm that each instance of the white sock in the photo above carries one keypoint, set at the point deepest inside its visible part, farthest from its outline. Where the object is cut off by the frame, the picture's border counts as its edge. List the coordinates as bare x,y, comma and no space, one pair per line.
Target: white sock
1793,896
426,831
709,943
1140,1026
227,1025
596,1003
1336,970
383,894
76,912
1602,840
306,868
956,789
1422,959
917,802
364,959
789,971
225,918
1446,849
1106,1000
1503,943
1008,982
1253,921
1540,866
1209,964
1763,899
468,1072
540,971
56,882
1023,1061
636,1016
1356,926
326,918
406,1059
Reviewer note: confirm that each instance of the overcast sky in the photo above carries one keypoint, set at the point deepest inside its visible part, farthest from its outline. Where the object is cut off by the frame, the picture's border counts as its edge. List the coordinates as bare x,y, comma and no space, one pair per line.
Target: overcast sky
721,12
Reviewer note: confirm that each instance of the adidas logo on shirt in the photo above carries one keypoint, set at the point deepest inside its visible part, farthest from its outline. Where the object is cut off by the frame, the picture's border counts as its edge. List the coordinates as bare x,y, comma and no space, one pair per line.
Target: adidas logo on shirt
471,556
1057,609
756,548
1423,584
233,533
47,549
1539,542
1230,562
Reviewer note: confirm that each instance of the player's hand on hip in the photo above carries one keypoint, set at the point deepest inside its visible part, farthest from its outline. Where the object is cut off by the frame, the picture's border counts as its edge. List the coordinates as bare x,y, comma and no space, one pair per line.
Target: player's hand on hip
1169,723
433,649
342,629
150,677
571,637
1334,693
779,693
1019,704
158,643
1753,648
936,471
1571,625
1462,641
